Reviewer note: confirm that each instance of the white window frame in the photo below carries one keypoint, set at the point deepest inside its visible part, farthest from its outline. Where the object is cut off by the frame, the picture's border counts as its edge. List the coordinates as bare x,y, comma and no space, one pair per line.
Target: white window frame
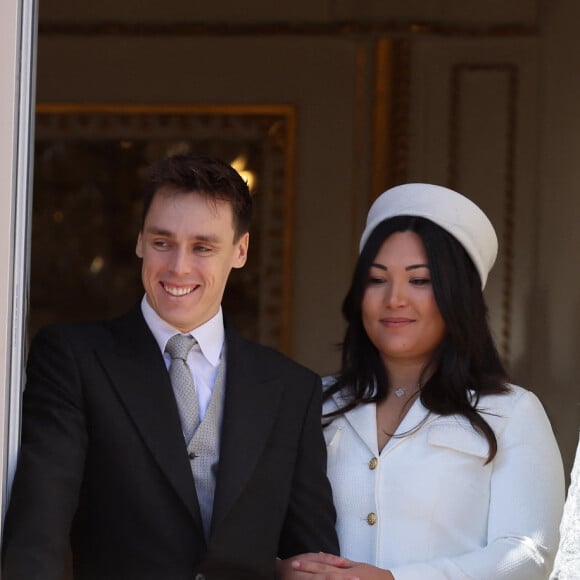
18,34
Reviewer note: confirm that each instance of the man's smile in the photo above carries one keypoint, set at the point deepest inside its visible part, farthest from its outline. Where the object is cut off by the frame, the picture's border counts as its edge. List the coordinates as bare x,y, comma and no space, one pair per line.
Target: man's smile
178,290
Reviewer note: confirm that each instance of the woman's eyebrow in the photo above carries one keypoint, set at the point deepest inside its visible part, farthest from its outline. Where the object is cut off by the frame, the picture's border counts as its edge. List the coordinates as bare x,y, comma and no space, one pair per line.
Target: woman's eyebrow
407,268
380,266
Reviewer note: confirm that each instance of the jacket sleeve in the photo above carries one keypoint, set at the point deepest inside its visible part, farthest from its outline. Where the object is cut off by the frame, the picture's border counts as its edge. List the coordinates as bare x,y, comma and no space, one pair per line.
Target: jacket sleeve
50,464
526,500
309,525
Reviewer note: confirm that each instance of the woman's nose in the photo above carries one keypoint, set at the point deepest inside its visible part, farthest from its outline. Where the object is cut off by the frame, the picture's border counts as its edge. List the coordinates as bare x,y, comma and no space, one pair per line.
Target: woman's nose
395,294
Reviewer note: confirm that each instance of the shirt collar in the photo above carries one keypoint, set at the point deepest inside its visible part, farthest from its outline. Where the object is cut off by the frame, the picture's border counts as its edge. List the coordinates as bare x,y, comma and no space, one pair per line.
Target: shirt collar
210,335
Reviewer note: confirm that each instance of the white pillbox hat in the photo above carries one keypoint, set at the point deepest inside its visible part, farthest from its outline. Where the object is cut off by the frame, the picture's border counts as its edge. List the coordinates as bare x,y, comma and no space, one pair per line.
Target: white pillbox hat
456,214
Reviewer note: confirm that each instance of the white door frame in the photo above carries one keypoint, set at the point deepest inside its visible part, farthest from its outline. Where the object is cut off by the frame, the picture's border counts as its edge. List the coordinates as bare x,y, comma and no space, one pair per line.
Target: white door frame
18,33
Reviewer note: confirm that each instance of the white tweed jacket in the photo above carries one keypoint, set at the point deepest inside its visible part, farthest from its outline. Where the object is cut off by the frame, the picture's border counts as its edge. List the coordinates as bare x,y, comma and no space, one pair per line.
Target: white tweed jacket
428,508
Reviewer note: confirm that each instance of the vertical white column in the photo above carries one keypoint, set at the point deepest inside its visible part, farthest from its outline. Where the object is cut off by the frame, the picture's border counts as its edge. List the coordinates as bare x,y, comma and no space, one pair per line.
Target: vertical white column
17,75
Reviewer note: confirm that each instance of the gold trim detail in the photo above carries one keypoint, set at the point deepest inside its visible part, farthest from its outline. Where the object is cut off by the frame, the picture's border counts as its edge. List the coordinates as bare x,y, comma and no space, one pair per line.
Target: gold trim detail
359,145
391,115
401,90
382,146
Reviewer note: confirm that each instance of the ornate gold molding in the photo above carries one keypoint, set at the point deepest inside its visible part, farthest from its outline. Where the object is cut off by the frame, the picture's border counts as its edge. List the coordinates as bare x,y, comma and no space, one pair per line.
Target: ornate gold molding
382,143
391,114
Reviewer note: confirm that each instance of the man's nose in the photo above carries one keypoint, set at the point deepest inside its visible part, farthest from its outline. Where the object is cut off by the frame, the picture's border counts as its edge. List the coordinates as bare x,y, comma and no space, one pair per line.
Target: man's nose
180,261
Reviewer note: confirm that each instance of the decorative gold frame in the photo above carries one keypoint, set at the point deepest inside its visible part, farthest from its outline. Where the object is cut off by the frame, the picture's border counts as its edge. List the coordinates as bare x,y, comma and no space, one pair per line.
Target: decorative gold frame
270,126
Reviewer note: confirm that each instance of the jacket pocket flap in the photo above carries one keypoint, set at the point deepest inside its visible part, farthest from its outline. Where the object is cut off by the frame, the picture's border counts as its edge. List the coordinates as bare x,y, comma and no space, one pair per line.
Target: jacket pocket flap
459,437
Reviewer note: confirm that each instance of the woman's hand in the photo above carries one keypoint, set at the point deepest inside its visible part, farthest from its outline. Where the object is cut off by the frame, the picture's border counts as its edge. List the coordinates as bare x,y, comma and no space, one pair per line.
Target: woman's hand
323,566
313,566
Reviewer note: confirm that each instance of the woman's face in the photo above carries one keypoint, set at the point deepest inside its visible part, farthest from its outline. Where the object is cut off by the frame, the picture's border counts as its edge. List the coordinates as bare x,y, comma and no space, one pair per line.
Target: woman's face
399,311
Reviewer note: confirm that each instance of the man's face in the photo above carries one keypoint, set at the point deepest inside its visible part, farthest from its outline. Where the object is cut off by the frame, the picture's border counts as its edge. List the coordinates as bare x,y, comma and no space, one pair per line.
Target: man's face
188,249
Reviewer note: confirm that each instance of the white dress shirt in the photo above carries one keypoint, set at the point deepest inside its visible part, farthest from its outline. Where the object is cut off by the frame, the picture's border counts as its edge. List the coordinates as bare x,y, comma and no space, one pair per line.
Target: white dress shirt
204,357
427,507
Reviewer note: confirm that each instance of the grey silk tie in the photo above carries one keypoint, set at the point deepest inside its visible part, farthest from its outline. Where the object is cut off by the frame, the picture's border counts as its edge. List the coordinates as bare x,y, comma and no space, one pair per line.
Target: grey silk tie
178,347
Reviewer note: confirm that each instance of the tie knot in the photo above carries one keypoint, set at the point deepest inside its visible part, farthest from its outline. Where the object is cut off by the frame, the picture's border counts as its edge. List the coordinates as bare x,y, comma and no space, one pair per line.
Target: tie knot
179,345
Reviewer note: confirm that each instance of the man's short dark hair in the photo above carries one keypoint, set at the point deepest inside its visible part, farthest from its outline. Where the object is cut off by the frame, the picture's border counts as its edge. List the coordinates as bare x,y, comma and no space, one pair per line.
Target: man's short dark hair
204,175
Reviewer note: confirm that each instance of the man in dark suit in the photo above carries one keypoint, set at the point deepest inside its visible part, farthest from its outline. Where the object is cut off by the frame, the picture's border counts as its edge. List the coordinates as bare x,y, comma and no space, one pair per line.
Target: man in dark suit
107,459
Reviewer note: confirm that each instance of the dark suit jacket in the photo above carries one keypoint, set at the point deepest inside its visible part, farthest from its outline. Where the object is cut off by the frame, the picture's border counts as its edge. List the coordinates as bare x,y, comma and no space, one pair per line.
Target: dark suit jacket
103,459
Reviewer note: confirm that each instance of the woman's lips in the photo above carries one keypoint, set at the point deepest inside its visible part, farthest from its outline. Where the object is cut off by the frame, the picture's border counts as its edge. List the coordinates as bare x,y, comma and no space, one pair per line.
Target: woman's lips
396,322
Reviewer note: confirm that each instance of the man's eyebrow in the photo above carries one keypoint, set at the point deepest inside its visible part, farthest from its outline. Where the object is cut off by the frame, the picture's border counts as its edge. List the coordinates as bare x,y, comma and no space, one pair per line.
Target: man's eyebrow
208,238
158,231
155,231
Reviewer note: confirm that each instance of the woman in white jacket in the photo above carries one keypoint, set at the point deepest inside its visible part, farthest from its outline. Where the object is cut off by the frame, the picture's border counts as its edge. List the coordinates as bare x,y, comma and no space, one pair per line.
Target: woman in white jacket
440,468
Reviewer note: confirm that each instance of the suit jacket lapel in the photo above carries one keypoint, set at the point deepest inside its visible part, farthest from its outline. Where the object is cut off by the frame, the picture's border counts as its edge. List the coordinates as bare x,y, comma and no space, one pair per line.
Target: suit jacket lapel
137,371
253,394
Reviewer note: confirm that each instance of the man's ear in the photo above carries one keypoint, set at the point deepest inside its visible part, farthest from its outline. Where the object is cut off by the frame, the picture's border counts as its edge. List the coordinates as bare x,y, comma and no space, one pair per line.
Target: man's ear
241,255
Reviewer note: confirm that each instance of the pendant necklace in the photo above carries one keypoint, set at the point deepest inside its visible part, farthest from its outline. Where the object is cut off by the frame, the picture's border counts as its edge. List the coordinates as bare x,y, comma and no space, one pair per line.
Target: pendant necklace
401,392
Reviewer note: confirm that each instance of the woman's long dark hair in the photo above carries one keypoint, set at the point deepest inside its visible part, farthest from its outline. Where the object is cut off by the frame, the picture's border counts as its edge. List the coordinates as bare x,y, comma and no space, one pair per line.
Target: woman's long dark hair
466,360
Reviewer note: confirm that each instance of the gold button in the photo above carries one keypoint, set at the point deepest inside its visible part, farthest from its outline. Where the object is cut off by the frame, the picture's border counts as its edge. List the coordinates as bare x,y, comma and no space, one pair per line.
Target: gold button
372,519
373,463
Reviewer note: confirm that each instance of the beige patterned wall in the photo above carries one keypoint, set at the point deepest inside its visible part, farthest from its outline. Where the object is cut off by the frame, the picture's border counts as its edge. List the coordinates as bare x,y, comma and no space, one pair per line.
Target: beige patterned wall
475,125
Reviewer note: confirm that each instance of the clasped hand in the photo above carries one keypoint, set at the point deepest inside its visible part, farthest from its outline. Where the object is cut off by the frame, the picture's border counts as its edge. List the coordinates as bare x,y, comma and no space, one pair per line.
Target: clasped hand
323,566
